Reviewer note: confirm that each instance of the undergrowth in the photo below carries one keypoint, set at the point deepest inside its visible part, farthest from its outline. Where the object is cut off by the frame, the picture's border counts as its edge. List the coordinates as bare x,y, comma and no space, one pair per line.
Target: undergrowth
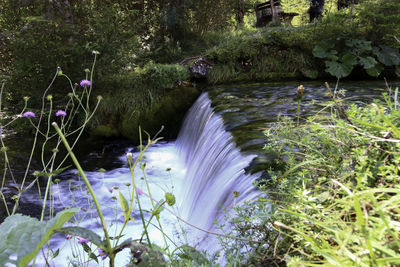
342,173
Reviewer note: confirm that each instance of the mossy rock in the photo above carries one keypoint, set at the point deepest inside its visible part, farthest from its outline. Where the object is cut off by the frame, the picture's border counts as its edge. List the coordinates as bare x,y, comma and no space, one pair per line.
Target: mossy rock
169,112
105,130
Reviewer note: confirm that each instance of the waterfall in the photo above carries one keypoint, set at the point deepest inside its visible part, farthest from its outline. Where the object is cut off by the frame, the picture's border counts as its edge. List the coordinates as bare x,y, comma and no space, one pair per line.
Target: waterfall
215,166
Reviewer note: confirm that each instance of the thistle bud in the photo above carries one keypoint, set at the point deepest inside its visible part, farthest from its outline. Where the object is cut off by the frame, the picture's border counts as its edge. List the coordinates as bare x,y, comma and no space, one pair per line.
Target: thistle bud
300,91
87,70
59,71
129,158
170,199
49,97
26,98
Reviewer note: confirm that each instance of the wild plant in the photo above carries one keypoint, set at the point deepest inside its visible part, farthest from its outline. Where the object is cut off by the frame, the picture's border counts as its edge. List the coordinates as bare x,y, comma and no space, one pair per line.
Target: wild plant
342,172
16,227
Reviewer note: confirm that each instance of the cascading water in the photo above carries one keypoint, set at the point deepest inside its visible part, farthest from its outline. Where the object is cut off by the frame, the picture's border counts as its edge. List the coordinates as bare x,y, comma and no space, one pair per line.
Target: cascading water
202,168
215,167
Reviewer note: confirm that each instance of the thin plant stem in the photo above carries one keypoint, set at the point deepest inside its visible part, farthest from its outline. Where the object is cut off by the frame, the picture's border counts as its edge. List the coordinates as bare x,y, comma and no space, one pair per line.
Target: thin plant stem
298,111
85,179
37,131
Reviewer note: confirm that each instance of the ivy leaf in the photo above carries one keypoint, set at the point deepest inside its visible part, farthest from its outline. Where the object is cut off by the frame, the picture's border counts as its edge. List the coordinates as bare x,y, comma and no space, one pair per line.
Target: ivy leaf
84,233
25,236
375,71
338,69
368,62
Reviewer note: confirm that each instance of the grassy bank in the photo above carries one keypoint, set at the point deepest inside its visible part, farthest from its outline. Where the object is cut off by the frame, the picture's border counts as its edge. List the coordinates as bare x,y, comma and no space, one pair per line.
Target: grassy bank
334,202
151,96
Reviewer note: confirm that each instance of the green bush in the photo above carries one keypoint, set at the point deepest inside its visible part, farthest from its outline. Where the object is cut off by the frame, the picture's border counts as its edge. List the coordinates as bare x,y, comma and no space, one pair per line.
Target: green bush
38,50
277,54
380,21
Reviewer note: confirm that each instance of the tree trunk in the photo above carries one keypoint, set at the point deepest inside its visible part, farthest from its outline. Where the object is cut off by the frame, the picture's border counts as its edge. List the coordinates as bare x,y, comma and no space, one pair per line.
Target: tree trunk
275,16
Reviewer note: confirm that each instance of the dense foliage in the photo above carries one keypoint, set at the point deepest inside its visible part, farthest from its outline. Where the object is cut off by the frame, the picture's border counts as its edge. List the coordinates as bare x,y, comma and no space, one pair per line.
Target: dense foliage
335,201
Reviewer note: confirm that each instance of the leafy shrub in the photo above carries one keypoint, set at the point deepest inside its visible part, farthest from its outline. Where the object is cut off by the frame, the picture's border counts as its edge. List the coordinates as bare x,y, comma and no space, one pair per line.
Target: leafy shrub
380,21
343,53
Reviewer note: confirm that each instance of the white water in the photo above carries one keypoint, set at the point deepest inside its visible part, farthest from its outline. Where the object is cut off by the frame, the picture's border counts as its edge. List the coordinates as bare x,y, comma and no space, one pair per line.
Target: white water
206,168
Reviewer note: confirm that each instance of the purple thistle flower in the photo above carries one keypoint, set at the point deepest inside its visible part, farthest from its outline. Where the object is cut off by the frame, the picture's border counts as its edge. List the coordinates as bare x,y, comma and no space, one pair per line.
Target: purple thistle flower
61,113
102,253
139,191
83,240
85,83
29,114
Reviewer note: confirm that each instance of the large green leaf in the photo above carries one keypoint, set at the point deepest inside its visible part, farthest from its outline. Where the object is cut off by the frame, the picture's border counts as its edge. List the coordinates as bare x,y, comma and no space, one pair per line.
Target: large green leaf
323,49
349,59
368,62
84,233
338,69
387,56
375,71
24,236
359,46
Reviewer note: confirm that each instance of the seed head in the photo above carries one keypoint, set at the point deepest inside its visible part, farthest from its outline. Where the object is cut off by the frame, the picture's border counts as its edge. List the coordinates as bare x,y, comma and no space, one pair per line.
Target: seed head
300,91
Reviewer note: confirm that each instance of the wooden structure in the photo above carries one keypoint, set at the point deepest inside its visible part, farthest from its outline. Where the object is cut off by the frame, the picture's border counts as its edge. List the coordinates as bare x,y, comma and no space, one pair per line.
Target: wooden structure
271,11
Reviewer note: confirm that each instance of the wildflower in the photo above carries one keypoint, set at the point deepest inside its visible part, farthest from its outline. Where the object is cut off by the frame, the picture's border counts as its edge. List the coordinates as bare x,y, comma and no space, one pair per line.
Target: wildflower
95,52
102,253
68,236
139,191
85,83
83,240
61,113
29,114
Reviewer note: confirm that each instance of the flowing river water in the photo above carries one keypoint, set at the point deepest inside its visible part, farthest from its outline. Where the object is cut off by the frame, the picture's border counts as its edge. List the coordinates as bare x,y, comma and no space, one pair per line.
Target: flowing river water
218,152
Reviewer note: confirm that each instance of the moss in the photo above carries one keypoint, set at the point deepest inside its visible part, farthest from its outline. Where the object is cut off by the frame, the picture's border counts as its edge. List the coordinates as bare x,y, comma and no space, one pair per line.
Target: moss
105,130
168,112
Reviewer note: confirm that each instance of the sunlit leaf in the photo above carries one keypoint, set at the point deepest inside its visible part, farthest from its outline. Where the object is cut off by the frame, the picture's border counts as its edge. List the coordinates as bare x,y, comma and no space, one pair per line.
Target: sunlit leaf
25,236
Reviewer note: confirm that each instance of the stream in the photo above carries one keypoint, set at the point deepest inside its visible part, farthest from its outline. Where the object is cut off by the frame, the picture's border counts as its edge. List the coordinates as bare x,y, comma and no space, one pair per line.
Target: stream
218,152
